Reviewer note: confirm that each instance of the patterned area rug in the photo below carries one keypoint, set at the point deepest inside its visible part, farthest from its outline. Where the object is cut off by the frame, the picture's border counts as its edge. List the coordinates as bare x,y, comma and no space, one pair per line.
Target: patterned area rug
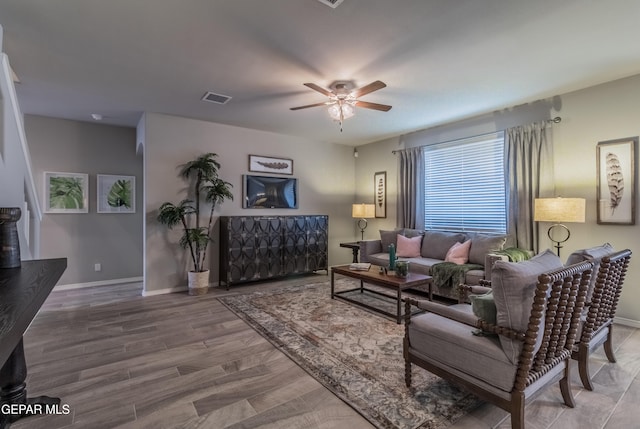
354,353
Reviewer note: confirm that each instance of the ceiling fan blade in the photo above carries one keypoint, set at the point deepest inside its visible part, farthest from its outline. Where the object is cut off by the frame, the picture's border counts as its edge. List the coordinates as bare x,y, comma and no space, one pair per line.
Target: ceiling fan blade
374,106
373,86
308,105
320,89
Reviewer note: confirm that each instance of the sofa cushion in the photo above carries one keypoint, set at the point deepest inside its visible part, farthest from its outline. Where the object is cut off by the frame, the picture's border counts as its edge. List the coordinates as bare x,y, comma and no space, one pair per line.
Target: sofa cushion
435,244
454,344
408,232
409,247
481,244
380,259
459,253
389,237
513,285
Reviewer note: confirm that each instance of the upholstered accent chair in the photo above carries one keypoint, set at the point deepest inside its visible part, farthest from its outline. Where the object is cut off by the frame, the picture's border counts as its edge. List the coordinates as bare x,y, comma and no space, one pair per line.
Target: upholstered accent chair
538,307
600,309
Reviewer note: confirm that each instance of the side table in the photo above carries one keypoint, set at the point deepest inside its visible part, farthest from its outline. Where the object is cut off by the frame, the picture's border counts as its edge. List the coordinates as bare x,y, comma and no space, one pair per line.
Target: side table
355,248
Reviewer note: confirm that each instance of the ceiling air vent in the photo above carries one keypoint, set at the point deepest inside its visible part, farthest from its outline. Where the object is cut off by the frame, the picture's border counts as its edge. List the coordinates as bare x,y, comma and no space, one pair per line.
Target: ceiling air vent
331,3
212,97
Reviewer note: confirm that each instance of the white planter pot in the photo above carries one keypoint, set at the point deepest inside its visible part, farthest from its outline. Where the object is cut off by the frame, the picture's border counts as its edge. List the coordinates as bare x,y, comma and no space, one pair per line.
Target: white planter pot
198,282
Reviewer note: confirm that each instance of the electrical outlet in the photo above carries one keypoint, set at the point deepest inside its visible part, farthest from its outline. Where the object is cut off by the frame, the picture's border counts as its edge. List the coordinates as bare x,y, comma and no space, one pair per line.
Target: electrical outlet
97,267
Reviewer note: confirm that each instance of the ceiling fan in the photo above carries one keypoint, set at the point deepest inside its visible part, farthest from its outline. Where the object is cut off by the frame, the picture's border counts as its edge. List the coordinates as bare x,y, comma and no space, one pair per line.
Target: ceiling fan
343,99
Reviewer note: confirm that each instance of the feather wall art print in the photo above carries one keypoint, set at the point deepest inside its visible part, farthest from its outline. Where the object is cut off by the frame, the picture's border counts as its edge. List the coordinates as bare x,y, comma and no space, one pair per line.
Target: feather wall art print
615,180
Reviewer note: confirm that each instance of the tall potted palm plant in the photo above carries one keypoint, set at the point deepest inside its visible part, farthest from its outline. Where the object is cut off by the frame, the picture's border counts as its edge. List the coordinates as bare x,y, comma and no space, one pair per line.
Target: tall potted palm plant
208,187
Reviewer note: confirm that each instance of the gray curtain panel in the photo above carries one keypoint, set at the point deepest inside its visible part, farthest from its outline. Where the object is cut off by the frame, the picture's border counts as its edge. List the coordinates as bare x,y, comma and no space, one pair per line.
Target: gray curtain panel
529,171
410,202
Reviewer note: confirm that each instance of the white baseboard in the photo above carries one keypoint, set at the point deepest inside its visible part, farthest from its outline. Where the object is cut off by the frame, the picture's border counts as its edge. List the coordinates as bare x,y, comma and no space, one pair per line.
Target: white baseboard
98,283
165,291
175,289
627,322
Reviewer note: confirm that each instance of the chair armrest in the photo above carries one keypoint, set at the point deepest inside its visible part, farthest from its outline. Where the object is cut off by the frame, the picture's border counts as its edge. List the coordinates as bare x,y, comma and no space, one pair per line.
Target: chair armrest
478,289
446,311
369,247
489,260
464,317
465,290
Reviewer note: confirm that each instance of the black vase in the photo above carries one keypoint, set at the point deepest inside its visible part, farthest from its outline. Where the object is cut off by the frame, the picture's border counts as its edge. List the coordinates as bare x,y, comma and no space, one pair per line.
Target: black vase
9,244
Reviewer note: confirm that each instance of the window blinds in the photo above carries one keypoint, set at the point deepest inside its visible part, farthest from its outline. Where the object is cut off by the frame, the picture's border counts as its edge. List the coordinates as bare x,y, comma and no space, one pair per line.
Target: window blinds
464,185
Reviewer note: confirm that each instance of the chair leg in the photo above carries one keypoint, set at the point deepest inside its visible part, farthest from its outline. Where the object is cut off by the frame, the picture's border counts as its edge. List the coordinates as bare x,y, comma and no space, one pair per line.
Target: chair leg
407,372
583,366
517,410
565,387
608,346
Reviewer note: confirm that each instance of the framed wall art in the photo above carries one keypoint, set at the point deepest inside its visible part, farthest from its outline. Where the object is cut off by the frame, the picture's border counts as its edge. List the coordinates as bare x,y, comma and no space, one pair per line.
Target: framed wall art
380,193
267,164
616,191
66,192
116,194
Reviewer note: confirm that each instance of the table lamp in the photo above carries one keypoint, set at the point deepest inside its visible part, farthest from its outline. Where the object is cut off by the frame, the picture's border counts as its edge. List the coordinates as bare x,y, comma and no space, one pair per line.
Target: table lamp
559,210
362,212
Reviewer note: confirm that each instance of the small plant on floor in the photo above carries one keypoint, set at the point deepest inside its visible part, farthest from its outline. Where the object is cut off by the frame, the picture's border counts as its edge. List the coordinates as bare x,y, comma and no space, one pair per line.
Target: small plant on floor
208,187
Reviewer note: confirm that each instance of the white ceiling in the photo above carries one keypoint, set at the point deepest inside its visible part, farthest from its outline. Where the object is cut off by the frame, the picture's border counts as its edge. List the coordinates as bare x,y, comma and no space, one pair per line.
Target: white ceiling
442,60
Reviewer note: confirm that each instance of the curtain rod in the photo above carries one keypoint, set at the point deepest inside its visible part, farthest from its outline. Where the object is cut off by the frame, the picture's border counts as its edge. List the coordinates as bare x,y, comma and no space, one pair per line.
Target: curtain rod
555,120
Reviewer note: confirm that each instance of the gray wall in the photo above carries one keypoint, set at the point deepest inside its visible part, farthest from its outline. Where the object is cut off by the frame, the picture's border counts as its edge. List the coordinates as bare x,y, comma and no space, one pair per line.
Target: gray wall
113,240
604,112
326,186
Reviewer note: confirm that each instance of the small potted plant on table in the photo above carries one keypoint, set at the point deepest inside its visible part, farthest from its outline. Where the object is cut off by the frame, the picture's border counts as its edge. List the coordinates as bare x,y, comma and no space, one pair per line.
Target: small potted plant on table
208,187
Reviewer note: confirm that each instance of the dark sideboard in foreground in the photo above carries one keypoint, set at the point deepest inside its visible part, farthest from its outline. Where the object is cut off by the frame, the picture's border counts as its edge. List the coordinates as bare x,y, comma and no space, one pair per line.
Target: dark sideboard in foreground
254,248
23,290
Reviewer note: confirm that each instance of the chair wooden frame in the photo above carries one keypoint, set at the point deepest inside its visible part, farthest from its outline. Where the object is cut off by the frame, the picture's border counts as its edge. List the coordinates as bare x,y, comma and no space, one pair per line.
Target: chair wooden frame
598,325
558,302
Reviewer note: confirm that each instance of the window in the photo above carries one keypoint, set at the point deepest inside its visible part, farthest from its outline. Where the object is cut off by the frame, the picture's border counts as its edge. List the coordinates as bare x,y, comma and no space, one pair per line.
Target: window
464,185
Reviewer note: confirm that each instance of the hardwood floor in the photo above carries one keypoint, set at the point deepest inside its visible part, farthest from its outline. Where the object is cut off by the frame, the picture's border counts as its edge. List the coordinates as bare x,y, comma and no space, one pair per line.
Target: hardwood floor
118,359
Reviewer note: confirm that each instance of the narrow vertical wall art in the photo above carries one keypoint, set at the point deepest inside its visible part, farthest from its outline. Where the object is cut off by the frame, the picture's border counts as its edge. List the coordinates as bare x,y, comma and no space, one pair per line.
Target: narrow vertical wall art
616,181
380,193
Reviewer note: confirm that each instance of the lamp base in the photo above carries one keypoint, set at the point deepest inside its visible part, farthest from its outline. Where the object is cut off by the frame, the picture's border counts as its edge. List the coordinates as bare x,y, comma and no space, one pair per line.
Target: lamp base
557,244
362,224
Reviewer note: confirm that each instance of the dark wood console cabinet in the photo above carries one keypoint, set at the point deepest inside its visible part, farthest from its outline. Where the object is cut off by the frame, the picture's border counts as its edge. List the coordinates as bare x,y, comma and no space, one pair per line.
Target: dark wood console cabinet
256,248
23,290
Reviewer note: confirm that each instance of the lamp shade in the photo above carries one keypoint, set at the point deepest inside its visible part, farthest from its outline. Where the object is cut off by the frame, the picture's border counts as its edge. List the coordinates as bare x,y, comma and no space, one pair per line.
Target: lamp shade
363,211
559,210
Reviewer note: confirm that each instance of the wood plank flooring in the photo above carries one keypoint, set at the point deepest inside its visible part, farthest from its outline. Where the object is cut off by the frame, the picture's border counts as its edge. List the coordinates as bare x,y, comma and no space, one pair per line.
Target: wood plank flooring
118,359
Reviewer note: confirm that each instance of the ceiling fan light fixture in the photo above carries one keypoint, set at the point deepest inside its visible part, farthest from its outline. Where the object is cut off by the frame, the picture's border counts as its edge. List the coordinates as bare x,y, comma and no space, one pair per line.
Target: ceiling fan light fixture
340,111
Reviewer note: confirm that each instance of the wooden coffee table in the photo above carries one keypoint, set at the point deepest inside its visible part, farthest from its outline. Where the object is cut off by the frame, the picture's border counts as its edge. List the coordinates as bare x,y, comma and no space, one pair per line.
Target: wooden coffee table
373,276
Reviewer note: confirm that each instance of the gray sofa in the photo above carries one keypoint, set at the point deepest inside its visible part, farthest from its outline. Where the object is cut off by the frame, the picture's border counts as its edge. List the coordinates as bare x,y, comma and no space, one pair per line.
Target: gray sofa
434,248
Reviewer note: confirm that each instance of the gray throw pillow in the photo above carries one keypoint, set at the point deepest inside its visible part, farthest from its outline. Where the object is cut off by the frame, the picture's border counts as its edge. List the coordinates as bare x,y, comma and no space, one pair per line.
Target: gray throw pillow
481,244
593,254
513,285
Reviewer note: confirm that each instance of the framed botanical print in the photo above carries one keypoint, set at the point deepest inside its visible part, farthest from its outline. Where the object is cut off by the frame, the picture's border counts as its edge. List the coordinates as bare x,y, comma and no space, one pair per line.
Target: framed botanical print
116,194
616,181
66,192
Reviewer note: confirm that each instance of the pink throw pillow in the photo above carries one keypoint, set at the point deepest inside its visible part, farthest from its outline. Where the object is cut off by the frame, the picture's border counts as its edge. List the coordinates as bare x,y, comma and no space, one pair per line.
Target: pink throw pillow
459,253
409,247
